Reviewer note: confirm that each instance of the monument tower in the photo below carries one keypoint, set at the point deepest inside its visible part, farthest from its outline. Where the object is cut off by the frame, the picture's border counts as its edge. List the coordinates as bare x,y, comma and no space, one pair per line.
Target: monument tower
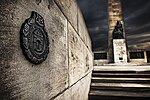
114,19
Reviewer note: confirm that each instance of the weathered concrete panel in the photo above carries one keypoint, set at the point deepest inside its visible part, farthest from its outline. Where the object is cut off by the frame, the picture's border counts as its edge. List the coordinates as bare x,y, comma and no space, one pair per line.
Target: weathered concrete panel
19,79
79,57
89,59
66,95
82,30
69,8
78,91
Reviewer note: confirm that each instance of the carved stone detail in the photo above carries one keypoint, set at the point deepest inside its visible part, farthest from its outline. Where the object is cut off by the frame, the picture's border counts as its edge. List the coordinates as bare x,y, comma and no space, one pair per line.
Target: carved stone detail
34,39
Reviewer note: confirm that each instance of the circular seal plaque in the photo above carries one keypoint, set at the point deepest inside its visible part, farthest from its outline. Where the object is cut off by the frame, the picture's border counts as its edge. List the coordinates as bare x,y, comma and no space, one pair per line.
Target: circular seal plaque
34,39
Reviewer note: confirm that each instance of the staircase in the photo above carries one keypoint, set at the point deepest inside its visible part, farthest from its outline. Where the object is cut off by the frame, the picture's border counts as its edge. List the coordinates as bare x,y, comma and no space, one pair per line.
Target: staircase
120,83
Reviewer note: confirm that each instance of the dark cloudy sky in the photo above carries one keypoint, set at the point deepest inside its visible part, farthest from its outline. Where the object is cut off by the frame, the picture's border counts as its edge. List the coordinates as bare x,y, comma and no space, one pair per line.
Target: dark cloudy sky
136,14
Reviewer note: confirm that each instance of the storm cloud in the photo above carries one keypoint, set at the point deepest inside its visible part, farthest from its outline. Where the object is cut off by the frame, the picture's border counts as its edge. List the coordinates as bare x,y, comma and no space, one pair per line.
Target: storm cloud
136,14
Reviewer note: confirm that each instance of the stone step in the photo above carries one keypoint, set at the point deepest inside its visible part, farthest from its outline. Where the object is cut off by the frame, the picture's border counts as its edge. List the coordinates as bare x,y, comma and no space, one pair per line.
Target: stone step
120,80
123,72
115,88
123,68
102,78
115,72
97,97
121,85
121,75
119,93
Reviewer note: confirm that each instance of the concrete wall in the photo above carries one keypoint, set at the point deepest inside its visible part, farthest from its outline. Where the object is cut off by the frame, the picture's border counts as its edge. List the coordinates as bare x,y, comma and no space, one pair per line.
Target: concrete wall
66,73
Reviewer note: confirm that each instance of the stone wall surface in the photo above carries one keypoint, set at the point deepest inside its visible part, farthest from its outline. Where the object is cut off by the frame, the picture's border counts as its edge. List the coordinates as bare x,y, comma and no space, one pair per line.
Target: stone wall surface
66,73
79,57
74,90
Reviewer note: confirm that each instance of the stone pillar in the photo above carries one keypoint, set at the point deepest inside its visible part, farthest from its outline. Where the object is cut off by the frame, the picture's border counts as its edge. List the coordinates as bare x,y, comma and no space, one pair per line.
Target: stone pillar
114,15
119,51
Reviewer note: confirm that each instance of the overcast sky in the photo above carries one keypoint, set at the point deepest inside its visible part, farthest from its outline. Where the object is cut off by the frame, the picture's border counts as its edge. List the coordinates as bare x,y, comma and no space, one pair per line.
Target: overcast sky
136,14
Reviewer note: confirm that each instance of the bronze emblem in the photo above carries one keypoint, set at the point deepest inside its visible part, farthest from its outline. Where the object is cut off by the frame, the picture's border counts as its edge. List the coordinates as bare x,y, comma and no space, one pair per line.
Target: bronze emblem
34,39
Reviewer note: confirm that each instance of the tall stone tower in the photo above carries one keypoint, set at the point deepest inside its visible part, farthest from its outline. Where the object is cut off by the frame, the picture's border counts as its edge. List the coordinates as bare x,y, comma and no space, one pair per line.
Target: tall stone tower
114,15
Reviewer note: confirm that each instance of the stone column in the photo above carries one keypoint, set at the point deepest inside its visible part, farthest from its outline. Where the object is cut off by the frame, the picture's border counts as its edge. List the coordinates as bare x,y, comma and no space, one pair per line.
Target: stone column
114,15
